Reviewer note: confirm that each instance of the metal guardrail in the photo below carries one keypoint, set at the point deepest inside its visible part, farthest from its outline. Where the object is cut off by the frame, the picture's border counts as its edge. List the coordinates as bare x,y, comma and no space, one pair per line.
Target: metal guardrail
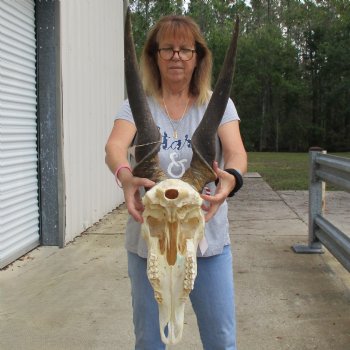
336,170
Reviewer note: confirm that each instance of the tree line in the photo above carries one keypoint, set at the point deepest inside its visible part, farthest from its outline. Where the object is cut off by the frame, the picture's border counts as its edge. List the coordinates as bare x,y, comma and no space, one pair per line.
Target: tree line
292,81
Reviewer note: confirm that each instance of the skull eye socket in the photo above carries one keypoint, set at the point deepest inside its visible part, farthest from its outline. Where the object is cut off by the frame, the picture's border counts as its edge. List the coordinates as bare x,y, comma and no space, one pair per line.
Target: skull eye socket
171,194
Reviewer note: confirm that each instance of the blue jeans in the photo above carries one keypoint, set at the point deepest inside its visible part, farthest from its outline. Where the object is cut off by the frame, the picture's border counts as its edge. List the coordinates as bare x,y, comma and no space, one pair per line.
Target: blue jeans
212,301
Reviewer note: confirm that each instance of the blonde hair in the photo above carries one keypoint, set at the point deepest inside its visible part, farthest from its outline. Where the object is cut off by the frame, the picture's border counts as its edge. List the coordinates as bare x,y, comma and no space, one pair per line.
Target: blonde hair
185,27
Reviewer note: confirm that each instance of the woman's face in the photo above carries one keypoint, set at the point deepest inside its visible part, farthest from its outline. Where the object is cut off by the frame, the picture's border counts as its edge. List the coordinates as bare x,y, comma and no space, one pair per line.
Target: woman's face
176,71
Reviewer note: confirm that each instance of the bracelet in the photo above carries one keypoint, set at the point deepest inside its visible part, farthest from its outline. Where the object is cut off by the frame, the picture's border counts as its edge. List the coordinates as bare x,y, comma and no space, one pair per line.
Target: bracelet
239,180
120,167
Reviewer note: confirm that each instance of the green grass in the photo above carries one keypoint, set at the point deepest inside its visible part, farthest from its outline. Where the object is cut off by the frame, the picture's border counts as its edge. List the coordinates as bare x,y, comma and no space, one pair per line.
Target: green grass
284,171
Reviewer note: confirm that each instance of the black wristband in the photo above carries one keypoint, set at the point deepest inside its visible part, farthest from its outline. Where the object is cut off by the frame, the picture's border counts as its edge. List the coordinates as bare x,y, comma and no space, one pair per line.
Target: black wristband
239,180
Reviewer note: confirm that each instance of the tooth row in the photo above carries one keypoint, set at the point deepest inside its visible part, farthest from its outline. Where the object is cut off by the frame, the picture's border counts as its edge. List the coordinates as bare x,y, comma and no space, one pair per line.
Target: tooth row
190,273
152,269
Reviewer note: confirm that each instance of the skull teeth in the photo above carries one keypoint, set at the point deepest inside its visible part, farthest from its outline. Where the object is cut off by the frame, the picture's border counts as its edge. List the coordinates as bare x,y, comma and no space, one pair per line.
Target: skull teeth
152,269
190,273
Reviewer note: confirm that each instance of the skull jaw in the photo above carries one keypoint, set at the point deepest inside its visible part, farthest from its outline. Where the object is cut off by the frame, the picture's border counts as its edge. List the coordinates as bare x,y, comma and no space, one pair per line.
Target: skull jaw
172,286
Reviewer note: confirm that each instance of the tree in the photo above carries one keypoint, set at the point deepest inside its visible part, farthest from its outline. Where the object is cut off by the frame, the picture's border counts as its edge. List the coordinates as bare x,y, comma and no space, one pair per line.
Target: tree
292,81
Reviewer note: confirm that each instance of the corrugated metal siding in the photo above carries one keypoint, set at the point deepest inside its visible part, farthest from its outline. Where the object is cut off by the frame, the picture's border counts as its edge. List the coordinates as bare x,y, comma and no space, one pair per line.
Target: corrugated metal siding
19,230
93,89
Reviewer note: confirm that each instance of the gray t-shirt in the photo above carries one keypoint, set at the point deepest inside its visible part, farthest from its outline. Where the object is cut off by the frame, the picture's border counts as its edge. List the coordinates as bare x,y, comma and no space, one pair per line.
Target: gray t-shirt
175,156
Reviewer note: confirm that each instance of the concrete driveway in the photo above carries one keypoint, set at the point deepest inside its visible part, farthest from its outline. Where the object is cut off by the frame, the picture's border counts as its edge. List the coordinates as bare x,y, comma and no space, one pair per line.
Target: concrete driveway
79,297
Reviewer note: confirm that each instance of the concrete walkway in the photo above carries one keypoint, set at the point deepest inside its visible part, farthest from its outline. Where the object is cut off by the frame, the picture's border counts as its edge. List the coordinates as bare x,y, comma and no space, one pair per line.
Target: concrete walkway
79,297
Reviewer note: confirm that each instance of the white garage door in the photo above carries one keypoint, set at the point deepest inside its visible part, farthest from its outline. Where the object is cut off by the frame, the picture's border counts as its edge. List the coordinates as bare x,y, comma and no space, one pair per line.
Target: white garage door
19,213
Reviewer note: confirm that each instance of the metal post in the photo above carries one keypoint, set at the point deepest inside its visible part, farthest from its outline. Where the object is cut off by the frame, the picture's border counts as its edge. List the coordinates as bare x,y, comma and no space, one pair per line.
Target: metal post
324,192
50,135
315,206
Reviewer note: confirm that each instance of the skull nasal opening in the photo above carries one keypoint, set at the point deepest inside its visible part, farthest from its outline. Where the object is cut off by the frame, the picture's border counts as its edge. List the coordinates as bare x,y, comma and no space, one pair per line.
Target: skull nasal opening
171,194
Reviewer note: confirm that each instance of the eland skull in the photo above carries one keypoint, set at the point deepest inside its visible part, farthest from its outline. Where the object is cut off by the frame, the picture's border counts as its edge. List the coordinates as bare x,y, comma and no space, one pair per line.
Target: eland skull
173,226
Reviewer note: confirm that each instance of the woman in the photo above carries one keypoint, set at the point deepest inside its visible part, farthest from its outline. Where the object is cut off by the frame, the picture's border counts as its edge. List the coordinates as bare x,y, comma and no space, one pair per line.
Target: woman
176,70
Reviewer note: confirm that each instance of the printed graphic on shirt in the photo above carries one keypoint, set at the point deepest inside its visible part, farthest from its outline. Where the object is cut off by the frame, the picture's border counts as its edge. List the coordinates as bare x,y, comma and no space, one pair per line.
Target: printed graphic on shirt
176,168
177,163
178,144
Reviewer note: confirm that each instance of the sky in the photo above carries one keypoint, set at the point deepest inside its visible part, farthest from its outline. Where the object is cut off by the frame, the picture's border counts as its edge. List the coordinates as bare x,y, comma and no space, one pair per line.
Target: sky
187,1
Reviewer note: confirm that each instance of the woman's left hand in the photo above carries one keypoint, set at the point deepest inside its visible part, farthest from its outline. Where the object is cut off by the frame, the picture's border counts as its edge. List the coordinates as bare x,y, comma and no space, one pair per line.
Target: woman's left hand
226,183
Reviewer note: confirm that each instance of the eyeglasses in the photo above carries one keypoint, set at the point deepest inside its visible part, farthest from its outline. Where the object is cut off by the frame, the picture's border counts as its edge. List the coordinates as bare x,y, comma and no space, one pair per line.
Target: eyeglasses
168,53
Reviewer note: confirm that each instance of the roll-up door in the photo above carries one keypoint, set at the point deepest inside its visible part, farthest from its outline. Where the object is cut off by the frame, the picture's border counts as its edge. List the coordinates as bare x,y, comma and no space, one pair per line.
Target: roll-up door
19,213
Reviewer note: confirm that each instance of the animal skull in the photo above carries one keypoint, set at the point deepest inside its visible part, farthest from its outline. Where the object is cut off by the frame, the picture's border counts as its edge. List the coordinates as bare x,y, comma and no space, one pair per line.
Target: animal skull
173,226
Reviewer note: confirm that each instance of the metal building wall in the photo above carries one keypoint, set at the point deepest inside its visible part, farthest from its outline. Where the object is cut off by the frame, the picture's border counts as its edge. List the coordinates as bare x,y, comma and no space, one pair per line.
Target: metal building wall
19,211
93,89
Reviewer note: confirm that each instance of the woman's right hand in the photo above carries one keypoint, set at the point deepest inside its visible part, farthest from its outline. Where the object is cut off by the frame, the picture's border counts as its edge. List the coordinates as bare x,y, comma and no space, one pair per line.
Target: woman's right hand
131,187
